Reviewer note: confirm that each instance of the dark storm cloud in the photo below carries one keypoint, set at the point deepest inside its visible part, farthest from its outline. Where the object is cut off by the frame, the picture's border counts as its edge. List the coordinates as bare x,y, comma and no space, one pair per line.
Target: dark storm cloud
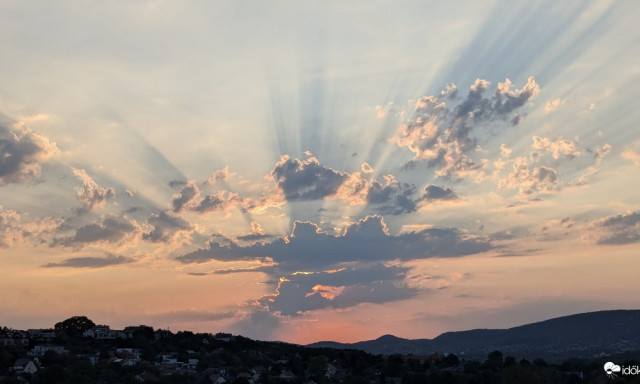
434,192
618,229
165,227
91,262
112,229
306,180
339,289
443,137
21,152
368,240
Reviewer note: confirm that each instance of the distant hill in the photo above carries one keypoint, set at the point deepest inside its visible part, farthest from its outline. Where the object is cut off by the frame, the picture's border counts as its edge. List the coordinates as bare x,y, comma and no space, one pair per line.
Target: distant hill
581,335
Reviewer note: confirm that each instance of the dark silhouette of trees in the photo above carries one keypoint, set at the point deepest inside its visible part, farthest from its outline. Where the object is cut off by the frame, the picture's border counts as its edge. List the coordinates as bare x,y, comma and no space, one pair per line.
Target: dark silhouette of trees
75,326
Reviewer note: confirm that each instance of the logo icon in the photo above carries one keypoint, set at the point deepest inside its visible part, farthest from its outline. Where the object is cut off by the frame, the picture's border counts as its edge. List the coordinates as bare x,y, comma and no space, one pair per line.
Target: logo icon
611,369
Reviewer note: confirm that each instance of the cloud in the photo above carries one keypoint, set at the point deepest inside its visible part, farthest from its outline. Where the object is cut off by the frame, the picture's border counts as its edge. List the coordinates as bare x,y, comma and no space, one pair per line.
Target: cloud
366,168
257,233
193,316
91,194
259,324
556,147
505,151
434,192
91,262
187,194
443,138
345,288
392,198
306,180
112,229
177,183
368,240
13,230
21,153
9,227
601,153
188,199
618,229
166,228
539,180
632,155
552,105
219,175
217,202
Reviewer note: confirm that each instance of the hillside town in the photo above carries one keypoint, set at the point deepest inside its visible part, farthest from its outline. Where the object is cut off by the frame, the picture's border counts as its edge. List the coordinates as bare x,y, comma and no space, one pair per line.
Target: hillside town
78,351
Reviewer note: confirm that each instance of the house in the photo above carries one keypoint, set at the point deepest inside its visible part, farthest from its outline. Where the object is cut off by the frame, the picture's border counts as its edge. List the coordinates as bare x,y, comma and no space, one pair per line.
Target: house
40,350
13,337
46,335
134,354
223,337
24,366
93,358
103,332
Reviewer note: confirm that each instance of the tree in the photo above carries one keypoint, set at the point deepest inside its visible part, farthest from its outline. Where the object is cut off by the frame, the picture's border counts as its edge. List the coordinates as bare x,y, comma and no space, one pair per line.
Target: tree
75,326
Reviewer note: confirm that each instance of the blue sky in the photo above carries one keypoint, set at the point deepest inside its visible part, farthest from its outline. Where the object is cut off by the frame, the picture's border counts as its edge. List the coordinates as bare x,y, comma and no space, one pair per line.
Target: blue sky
318,170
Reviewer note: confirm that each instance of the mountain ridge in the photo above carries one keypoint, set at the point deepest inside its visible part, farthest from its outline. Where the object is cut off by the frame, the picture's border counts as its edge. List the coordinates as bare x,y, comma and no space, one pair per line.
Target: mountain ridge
579,335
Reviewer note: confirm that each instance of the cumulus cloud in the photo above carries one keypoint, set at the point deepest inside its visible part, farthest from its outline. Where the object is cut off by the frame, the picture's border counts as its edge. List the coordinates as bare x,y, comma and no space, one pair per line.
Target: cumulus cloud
112,229
91,194
537,180
219,175
91,262
14,230
189,199
434,192
217,202
187,194
443,137
556,147
166,228
552,105
391,198
316,269
618,229
306,180
344,288
21,153
367,240
9,227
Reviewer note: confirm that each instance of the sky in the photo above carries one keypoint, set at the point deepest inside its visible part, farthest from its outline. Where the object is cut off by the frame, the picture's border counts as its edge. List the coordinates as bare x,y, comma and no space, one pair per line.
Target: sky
318,170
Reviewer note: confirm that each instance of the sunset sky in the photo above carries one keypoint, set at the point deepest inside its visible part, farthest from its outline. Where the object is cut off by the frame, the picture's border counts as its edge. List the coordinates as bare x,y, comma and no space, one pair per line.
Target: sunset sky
318,170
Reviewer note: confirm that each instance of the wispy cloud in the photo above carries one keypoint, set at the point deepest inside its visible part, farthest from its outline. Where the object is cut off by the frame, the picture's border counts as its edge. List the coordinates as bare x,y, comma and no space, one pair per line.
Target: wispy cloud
91,262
